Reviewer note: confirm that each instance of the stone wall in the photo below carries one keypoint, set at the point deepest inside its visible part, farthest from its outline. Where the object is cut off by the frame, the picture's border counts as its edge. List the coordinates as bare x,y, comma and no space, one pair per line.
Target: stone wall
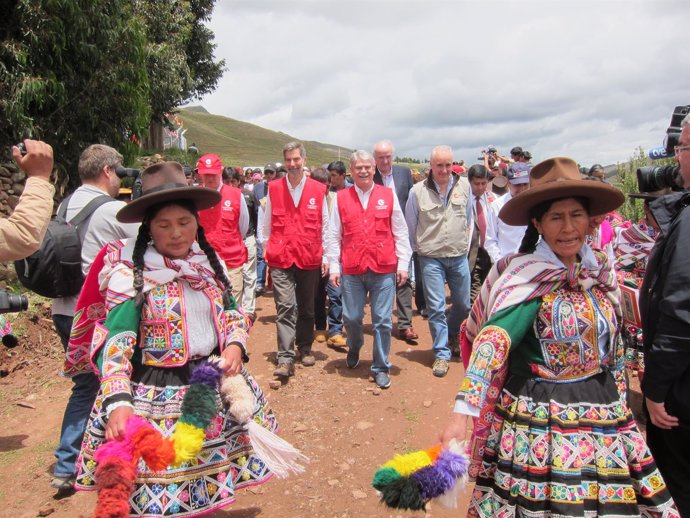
11,187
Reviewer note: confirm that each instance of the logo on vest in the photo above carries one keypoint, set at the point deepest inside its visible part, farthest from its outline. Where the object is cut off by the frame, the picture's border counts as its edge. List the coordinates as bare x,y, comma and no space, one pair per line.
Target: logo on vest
381,205
311,204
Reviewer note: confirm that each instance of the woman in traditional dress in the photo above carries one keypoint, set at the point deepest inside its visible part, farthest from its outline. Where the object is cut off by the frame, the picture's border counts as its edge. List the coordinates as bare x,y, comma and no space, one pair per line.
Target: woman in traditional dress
168,307
553,434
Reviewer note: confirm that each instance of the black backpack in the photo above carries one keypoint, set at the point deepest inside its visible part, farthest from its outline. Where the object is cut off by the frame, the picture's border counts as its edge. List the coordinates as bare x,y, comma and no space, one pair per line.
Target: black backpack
54,270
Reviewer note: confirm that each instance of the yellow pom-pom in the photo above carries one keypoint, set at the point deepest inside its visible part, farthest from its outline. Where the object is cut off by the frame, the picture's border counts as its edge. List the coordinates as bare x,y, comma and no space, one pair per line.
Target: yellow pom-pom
188,440
409,463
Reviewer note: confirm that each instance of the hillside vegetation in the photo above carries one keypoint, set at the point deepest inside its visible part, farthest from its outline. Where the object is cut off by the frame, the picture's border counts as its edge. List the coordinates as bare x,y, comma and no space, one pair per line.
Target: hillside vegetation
242,143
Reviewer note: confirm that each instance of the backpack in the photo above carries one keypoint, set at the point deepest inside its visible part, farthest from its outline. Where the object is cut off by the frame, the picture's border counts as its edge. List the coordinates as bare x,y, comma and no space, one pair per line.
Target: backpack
54,270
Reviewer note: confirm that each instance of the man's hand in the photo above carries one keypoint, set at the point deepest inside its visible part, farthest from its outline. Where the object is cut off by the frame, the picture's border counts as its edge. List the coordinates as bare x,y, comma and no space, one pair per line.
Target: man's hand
324,269
456,428
334,279
117,423
232,355
401,277
659,416
38,161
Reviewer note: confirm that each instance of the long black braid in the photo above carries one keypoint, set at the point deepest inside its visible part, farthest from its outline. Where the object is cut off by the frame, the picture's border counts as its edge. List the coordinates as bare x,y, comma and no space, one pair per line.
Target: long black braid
529,240
228,299
140,246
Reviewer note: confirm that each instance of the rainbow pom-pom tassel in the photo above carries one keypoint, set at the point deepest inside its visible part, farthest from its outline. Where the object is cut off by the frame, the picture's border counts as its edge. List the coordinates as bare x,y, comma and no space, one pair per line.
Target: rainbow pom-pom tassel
410,481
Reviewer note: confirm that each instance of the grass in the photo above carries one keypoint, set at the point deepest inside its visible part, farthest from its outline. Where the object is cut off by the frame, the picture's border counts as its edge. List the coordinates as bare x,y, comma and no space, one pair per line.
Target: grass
242,143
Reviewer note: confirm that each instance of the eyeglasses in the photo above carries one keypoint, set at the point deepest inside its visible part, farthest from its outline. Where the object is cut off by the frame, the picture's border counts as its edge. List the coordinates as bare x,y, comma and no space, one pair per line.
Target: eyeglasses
679,149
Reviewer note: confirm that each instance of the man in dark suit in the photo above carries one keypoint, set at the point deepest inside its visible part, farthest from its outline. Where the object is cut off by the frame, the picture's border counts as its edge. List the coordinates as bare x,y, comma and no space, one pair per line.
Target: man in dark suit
399,179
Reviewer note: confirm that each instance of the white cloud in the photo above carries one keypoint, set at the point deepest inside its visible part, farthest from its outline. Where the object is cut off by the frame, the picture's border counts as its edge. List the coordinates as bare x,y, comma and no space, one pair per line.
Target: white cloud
592,80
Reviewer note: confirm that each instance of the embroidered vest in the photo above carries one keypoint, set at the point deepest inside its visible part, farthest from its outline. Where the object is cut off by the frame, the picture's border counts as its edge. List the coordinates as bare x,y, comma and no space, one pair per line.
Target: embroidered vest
368,242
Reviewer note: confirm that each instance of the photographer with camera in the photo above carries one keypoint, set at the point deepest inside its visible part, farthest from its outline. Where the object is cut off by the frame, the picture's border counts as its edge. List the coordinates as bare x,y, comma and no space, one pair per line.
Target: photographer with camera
21,234
665,312
100,168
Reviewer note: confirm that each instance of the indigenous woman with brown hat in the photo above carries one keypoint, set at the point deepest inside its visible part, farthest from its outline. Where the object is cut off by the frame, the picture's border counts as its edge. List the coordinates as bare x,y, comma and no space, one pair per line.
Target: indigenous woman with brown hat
167,309
553,435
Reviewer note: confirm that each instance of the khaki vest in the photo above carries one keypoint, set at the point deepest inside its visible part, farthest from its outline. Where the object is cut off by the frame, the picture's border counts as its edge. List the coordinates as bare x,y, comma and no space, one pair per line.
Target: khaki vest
442,231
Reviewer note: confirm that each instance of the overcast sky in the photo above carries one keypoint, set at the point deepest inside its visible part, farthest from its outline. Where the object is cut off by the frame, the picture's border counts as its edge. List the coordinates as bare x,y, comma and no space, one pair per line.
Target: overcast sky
591,80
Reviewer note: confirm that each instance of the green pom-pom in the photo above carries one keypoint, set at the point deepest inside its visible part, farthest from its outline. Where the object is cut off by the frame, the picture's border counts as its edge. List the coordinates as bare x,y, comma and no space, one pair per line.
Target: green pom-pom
403,493
383,477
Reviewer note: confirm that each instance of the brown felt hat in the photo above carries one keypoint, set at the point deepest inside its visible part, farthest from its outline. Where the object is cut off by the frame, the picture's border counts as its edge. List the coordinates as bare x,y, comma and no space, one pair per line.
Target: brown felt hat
165,181
556,178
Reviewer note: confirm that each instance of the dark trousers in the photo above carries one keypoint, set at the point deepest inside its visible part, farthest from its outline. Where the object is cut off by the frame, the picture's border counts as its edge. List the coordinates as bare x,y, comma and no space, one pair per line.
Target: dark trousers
481,269
334,316
419,300
671,451
403,298
293,292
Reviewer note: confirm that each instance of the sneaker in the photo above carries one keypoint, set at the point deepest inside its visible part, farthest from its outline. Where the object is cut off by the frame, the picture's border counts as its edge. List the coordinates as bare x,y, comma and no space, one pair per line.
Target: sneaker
337,341
382,379
454,344
63,483
352,359
284,370
440,368
320,336
308,359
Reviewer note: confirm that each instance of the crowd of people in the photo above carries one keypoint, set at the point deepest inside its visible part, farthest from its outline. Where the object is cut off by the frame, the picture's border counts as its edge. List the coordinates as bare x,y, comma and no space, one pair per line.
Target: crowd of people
525,272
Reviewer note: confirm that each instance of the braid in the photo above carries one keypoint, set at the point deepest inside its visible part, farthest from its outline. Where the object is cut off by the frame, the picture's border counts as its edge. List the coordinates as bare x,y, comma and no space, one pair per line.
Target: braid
529,240
228,300
142,243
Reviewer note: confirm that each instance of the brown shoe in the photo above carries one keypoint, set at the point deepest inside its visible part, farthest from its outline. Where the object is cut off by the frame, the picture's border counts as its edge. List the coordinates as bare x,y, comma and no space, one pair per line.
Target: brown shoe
284,370
407,334
337,341
308,360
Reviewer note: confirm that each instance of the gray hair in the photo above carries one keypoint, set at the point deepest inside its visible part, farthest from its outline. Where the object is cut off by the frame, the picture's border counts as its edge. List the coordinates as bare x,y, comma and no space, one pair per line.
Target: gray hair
439,149
295,145
386,143
361,155
94,158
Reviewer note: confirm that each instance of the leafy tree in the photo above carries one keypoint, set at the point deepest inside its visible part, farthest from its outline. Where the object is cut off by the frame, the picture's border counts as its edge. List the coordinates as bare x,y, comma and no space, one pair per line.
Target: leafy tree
72,72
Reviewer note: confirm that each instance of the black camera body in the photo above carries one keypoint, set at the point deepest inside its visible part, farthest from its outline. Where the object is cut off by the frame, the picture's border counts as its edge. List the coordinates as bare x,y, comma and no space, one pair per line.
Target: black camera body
12,303
674,129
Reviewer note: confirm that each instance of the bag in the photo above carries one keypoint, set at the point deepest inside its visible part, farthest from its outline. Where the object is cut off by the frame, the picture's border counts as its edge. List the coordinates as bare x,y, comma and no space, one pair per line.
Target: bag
54,270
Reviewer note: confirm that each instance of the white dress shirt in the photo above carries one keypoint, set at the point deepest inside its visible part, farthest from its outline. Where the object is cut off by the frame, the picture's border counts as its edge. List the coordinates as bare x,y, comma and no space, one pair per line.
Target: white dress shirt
501,239
398,226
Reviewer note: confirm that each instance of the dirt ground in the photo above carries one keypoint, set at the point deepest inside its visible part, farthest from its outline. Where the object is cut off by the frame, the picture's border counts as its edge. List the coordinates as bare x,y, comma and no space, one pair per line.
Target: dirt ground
333,414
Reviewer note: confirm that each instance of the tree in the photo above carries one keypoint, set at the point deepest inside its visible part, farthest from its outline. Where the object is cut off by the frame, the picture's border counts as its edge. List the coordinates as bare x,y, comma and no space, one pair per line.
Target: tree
72,72
179,56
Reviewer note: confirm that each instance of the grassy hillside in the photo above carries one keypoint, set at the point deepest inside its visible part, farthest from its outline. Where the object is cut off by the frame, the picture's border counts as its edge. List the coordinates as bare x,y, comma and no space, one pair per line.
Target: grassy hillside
241,143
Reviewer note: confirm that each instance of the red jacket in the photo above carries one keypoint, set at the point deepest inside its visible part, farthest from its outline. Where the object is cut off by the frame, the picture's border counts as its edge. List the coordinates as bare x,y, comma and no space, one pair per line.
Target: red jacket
296,232
222,227
368,242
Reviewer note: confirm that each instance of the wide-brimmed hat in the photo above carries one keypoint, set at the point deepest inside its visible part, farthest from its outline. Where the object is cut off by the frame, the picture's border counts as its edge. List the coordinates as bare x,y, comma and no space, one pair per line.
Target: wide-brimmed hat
165,181
556,178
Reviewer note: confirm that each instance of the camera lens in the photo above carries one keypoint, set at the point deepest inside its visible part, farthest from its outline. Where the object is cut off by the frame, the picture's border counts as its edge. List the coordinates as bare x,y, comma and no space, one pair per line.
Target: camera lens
656,178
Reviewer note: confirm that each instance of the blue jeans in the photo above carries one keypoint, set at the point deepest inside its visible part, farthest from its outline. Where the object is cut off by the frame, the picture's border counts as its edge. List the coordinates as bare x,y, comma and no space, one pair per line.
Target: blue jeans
381,290
84,390
436,273
260,266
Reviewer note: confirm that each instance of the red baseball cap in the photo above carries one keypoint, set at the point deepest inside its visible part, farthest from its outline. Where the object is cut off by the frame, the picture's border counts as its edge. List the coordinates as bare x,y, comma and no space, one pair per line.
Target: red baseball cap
209,164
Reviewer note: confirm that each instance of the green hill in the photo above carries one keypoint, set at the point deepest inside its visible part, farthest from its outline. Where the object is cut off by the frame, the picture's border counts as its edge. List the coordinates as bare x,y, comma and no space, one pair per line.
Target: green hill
241,143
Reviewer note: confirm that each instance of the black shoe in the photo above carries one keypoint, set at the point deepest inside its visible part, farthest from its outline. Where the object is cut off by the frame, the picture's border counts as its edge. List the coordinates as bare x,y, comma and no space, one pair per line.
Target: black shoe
352,359
259,291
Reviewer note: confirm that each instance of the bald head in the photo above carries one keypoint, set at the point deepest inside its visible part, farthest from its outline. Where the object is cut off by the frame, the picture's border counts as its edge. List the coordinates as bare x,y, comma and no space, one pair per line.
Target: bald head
383,155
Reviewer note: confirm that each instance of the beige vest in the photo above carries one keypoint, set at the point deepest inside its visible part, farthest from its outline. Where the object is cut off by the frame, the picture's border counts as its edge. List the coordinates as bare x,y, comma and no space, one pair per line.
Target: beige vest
442,231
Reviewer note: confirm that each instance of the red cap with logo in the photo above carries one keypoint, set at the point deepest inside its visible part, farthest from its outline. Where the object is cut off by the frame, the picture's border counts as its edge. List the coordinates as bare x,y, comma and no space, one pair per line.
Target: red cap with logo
209,164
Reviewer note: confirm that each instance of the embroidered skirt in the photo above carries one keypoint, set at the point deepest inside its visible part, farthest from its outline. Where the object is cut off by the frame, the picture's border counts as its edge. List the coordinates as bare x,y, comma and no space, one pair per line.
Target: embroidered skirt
225,463
567,449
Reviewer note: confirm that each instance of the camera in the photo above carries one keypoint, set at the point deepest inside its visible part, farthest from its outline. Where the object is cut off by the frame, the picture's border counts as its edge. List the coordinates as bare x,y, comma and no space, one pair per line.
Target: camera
12,303
655,178
126,172
674,129
22,148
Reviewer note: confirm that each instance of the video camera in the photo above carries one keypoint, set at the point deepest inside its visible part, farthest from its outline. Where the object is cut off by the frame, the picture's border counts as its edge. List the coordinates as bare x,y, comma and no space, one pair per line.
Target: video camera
12,304
655,178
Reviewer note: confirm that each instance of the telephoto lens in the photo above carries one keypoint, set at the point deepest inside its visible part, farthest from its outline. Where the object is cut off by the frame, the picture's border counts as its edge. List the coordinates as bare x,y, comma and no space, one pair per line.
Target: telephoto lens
655,178
12,303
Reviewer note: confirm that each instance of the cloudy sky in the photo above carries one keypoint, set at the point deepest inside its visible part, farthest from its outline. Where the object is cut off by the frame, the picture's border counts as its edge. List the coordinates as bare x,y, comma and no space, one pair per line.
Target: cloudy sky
592,80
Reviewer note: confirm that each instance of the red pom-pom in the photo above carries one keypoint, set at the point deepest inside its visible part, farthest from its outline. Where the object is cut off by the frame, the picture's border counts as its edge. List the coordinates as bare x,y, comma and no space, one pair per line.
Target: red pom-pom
158,453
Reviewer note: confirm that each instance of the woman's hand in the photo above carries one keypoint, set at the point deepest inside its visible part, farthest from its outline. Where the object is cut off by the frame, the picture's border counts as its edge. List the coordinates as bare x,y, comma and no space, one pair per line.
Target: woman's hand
455,429
232,355
117,423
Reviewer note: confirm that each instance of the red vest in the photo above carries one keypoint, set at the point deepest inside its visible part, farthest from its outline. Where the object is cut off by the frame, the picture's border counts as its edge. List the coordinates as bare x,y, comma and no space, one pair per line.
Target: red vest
368,242
296,232
222,227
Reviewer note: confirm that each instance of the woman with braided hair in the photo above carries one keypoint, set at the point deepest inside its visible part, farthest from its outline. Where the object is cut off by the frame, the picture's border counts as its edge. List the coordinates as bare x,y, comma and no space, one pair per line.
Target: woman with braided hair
168,308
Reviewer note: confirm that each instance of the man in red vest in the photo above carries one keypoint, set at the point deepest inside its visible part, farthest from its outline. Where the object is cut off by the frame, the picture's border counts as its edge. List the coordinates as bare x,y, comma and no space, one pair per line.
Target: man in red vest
226,223
368,240
295,218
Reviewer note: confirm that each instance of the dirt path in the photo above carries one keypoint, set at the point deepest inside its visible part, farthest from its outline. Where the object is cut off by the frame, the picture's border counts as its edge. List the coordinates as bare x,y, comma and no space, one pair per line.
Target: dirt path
330,412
